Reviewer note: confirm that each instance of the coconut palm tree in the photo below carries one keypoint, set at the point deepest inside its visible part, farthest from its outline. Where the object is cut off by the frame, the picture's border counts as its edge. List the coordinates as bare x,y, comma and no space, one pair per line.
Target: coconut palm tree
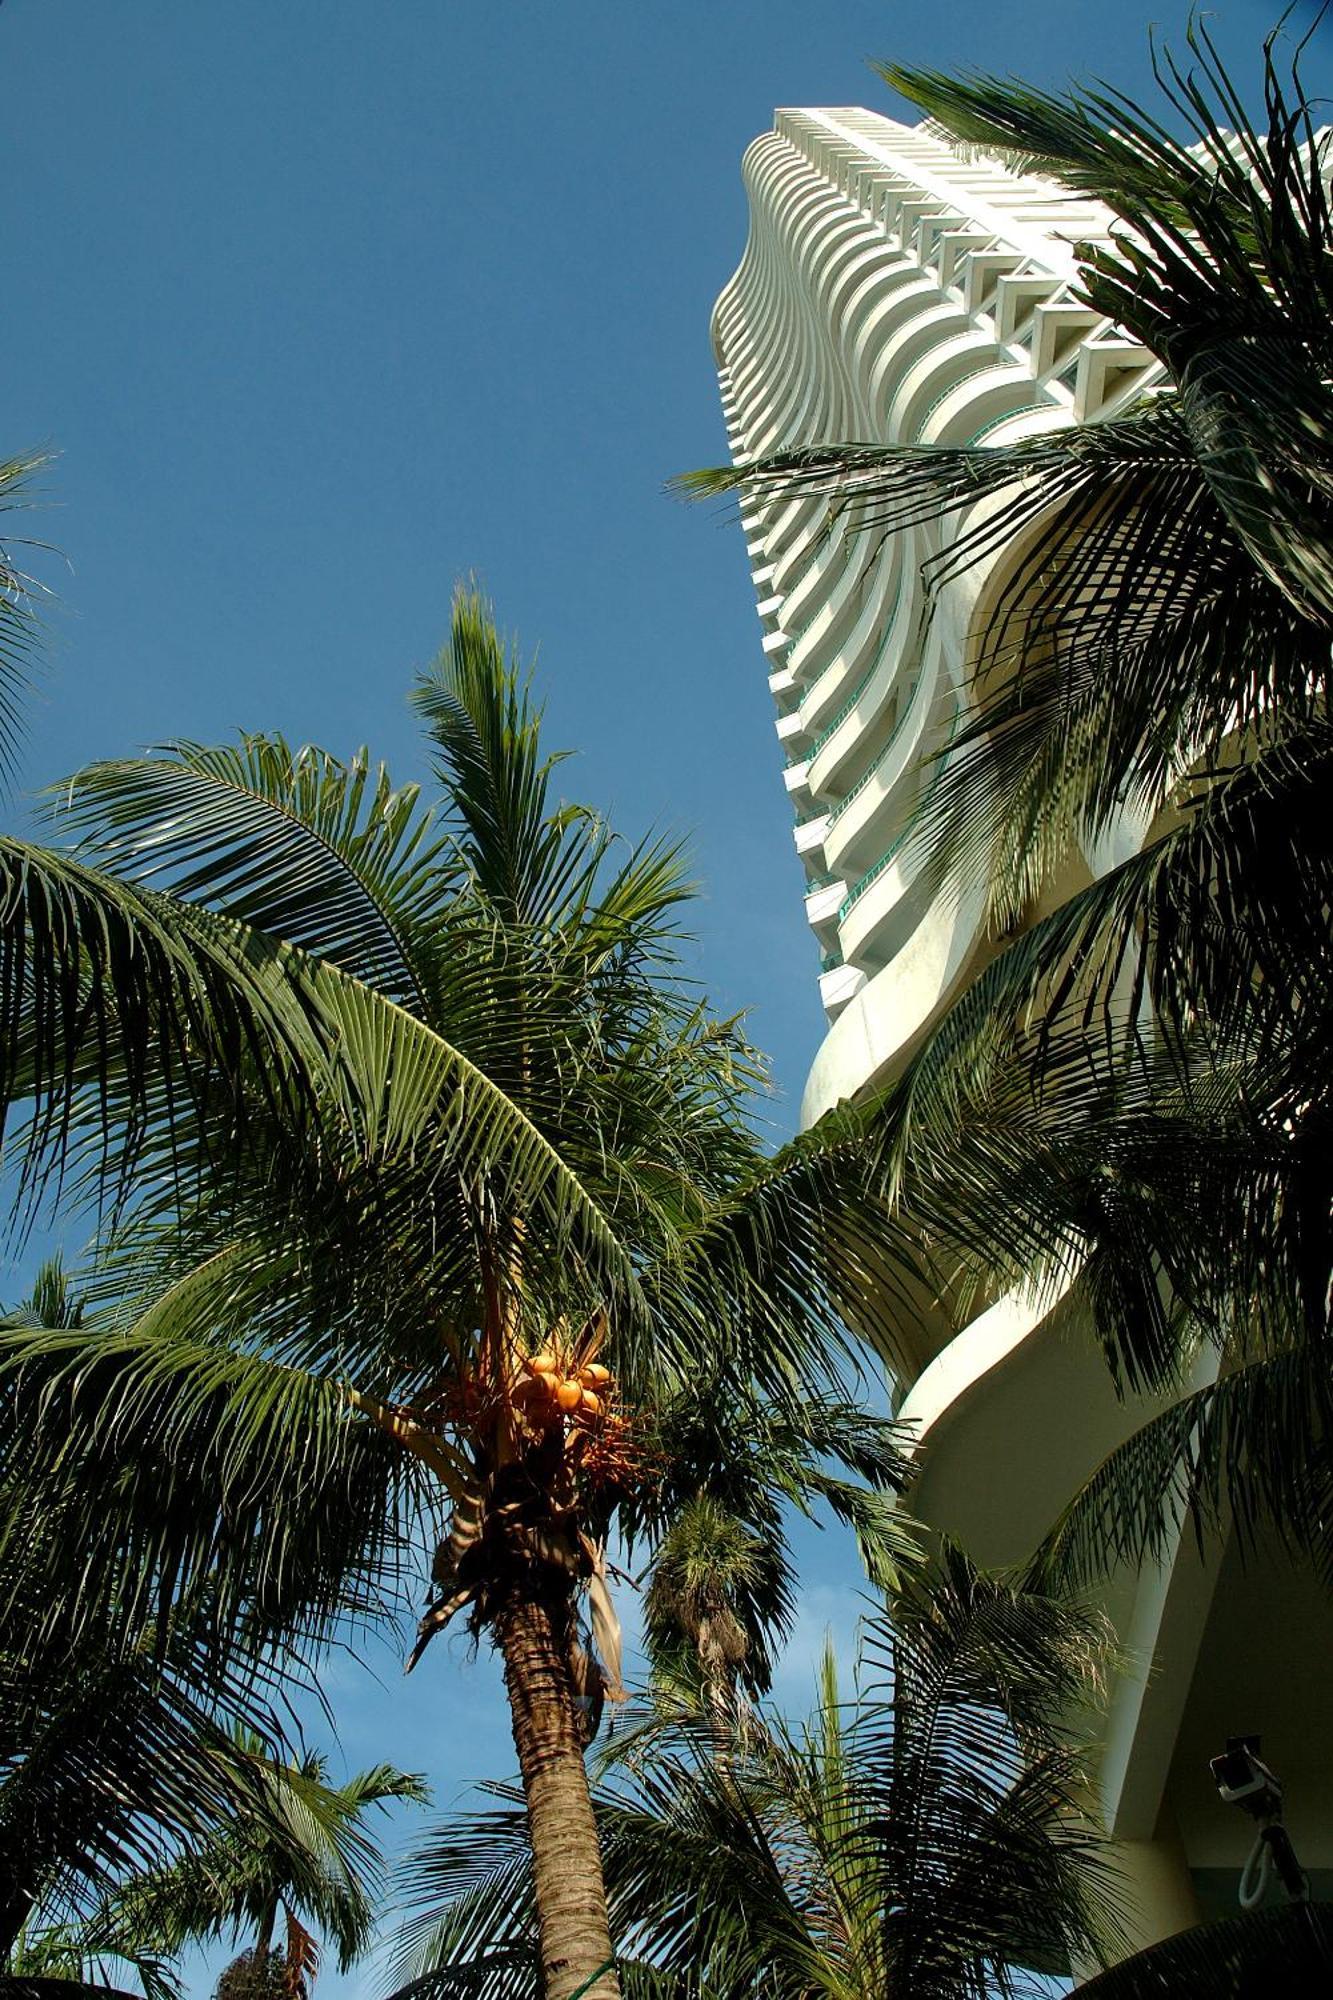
924,1838
504,1243
1161,650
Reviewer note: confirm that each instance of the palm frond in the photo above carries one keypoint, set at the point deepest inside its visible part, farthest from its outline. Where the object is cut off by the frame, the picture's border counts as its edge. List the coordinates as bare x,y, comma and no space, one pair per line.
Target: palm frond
979,1811
173,1465
19,631
1247,1452
112,1753
100,981
328,855
1222,270
477,705
938,1818
1268,1951
1132,642
464,1901
299,1843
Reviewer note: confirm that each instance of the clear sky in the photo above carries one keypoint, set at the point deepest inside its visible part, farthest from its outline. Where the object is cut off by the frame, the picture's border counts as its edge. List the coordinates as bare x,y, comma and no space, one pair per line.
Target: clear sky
324,305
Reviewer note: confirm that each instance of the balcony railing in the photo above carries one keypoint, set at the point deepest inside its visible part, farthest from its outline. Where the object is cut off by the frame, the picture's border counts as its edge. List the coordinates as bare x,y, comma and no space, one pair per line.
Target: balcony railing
1006,416
909,826
900,722
890,619
997,360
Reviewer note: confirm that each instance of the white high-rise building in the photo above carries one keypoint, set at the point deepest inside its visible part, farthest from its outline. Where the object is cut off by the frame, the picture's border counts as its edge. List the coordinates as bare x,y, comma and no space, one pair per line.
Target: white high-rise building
894,289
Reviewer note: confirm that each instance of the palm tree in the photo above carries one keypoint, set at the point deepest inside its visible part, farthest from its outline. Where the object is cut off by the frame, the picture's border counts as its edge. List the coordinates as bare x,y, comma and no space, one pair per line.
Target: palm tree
722,1583
925,1839
128,1798
499,1235
53,1963
287,1844
306,1859
1162,647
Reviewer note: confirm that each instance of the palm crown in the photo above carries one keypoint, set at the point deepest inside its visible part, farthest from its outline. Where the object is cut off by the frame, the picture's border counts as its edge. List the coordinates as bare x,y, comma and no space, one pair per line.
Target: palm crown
487,1257
304,1861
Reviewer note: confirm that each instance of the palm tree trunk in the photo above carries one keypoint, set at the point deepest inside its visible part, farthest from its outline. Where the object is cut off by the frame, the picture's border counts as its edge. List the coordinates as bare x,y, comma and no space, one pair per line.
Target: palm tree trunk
576,1949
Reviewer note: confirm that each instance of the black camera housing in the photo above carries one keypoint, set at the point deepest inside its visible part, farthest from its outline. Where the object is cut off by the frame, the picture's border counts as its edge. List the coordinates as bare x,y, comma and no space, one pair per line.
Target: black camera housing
1243,1779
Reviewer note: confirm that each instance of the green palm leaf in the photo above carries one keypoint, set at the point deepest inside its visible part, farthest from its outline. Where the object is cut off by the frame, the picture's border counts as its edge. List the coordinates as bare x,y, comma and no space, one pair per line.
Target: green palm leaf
328,856
301,1845
1224,271
18,621
913,1839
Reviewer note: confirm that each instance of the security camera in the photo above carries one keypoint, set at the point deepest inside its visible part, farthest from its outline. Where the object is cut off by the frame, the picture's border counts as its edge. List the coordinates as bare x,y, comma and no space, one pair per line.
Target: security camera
1243,1779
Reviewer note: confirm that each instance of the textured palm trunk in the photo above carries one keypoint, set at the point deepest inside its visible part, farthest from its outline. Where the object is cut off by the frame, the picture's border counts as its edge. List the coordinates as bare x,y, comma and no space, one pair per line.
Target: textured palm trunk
575,1935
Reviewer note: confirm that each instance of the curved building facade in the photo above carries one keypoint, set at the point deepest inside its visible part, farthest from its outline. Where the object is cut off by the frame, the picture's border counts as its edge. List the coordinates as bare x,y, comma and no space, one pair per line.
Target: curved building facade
895,289
890,290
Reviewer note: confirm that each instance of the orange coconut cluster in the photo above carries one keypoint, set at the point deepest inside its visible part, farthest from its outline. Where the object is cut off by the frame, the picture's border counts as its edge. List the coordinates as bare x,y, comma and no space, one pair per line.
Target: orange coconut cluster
544,1392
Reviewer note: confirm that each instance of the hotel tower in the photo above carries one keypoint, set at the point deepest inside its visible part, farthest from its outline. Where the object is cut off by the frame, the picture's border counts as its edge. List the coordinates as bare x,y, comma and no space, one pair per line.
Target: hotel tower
896,289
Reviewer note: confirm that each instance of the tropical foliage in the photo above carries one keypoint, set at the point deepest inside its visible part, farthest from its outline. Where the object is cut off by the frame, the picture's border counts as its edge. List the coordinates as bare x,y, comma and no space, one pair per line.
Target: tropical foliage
1285,1949
1135,1089
113,1002
303,1860
431,1217
139,1807
927,1837
497,1263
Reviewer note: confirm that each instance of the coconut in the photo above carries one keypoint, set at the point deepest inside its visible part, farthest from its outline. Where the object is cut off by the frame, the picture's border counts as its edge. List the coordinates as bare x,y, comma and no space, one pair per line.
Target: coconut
568,1395
544,1364
590,1404
594,1376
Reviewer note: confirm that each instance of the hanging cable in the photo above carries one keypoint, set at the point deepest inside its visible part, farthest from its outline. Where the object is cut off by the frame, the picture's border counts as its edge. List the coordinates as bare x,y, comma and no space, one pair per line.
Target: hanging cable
1254,1879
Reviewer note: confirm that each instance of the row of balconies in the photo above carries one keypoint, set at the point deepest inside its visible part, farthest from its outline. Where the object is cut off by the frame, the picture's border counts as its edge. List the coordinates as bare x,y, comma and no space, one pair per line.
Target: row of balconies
994,338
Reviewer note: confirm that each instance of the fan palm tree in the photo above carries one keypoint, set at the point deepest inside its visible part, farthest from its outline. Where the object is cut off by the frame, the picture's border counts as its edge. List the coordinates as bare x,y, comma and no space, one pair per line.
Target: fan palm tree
470,1283
925,1839
1161,650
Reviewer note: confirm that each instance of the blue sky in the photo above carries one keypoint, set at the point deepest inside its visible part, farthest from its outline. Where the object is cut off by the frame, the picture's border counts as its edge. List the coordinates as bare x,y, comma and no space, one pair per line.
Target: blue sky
324,305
